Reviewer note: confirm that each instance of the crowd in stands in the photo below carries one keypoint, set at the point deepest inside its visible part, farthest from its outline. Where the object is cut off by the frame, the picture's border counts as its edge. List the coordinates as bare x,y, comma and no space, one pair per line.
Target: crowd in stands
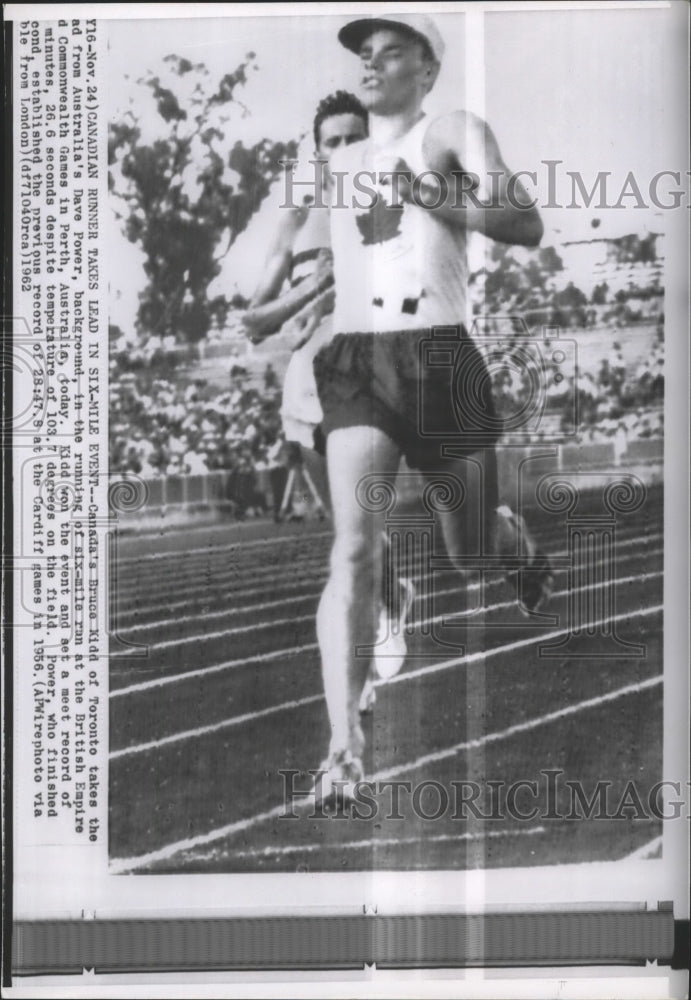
163,423
596,403
160,427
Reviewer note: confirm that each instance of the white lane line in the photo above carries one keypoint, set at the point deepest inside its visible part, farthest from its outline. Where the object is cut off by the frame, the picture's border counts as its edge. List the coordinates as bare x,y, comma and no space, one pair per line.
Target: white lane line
519,727
644,852
126,630
121,865
214,669
531,640
129,630
227,547
227,633
172,530
317,562
237,720
432,668
225,575
251,543
212,591
375,842
308,647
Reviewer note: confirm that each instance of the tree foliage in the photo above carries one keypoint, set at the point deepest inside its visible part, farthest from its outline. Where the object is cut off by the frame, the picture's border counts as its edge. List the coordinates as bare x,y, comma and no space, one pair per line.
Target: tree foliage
186,195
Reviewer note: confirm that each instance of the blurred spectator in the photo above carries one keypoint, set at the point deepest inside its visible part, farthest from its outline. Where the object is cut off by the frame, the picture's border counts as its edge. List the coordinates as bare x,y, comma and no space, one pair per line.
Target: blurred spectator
160,427
619,399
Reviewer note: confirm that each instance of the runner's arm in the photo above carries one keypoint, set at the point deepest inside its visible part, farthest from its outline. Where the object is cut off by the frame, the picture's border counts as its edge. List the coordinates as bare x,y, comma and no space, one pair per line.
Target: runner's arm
483,194
299,329
278,260
263,320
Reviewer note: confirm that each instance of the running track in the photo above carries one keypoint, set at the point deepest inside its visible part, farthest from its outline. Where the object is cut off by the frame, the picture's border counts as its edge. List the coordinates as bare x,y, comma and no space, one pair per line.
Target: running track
225,691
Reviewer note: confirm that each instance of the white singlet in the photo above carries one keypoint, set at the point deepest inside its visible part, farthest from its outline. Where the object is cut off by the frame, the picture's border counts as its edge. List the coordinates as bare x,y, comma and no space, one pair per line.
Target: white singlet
300,408
395,269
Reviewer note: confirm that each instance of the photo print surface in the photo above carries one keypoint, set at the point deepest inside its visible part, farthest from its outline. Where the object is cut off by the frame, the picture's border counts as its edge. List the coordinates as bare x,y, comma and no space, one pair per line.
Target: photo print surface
387,374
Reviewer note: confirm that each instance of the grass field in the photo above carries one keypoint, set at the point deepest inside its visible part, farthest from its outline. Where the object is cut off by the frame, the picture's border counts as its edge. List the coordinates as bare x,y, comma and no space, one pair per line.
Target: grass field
224,691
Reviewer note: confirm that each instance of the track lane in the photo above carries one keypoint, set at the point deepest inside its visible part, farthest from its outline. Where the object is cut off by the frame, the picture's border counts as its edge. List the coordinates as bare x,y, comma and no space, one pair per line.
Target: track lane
229,696
200,786
226,775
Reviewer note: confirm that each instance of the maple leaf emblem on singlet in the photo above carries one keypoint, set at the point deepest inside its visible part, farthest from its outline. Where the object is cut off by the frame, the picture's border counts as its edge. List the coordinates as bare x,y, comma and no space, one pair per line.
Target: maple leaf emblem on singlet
380,223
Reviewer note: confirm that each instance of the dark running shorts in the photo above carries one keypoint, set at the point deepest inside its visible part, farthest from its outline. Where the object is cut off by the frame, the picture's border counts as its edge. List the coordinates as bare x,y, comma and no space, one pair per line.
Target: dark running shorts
426,392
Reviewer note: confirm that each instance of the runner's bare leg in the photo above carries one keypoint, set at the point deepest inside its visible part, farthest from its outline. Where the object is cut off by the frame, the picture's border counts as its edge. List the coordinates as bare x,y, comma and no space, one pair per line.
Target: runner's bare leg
348,611
480,526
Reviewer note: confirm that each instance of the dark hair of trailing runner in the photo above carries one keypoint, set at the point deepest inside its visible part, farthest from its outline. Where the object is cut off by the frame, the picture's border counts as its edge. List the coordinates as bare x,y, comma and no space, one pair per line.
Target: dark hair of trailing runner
339,103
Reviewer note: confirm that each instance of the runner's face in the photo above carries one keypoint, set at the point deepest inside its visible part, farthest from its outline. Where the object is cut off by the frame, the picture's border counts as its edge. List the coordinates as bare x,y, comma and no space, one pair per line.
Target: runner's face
394,74
339,130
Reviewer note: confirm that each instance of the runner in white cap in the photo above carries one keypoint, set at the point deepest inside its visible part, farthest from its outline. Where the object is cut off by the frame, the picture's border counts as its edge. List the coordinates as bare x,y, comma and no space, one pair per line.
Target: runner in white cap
399,236
300,258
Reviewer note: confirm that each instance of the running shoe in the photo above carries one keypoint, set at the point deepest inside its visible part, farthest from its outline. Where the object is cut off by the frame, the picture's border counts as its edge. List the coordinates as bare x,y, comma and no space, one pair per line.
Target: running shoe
334,784
390,649
534,584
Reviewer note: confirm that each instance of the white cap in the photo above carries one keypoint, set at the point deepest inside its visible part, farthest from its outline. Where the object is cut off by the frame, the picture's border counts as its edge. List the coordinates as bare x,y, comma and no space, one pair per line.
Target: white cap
355,32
